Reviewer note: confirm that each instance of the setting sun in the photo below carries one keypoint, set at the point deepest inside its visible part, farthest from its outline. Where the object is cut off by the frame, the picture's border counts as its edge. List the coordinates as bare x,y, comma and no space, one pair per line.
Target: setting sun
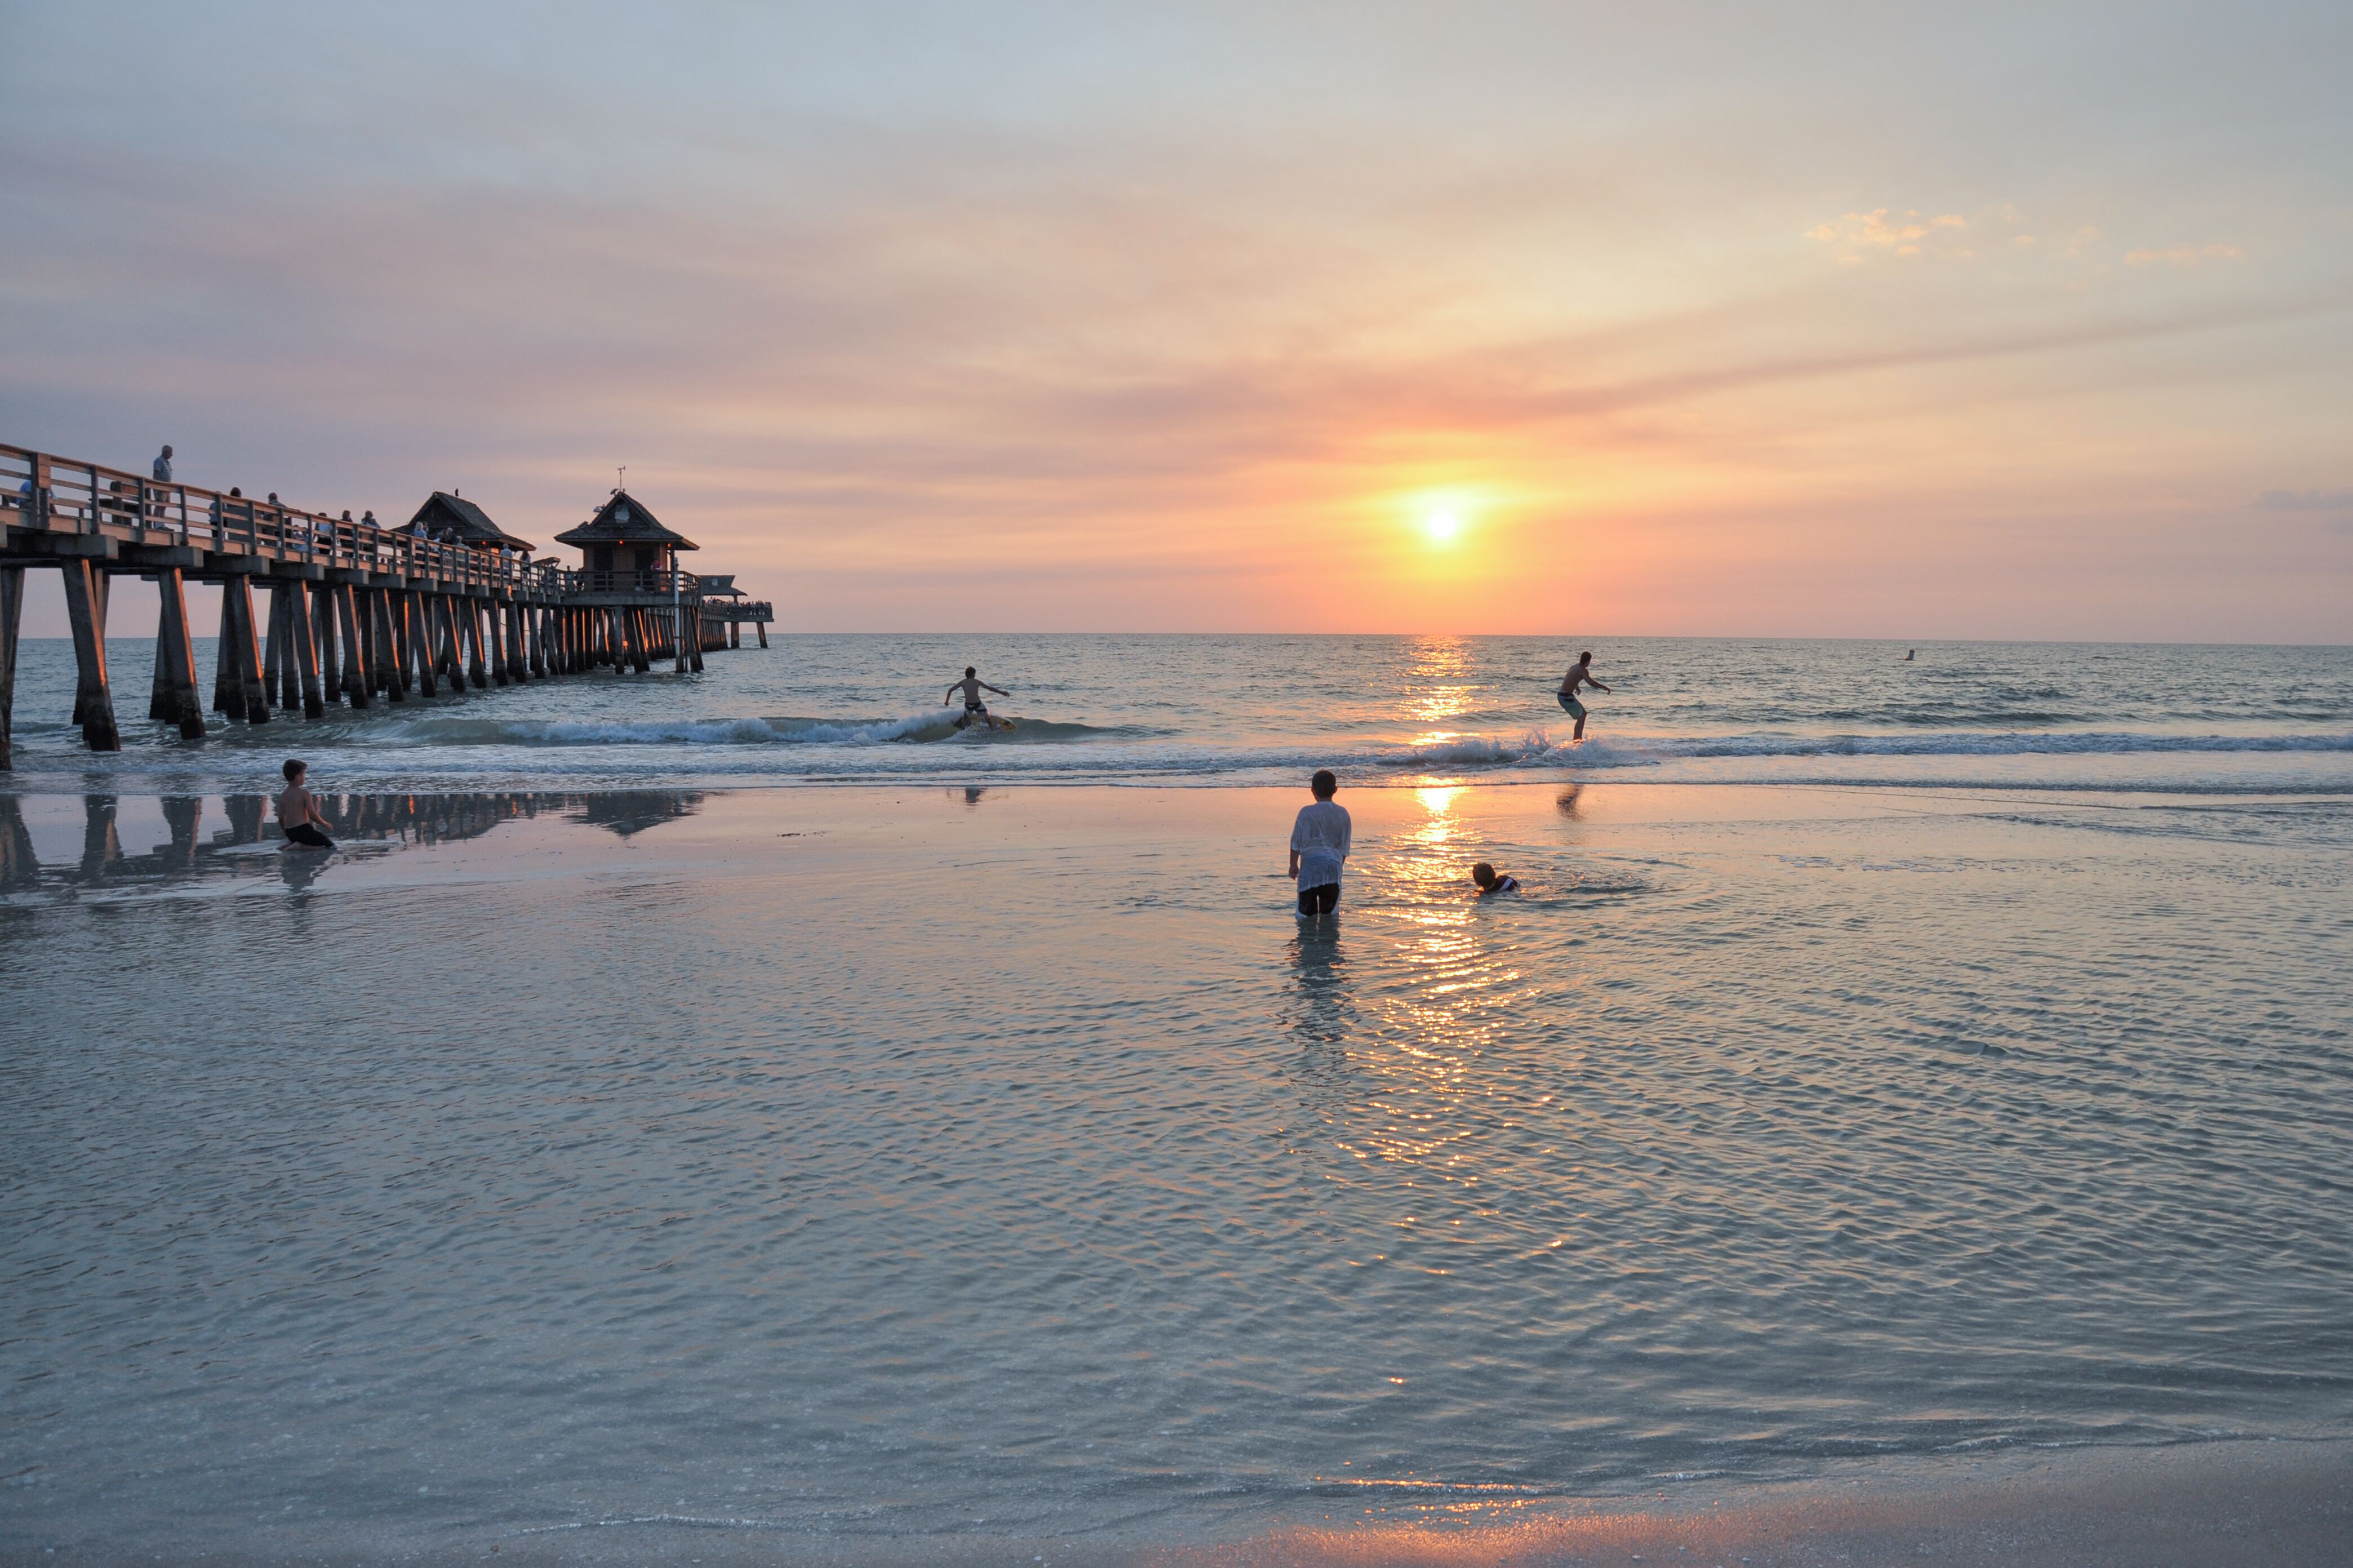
1441,527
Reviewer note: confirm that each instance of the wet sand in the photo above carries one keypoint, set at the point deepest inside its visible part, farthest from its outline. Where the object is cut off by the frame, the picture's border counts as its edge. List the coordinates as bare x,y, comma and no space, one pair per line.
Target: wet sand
736,902
2222,1505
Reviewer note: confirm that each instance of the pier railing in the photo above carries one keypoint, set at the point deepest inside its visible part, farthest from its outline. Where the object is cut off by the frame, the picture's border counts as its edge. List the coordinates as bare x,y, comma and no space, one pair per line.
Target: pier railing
51,495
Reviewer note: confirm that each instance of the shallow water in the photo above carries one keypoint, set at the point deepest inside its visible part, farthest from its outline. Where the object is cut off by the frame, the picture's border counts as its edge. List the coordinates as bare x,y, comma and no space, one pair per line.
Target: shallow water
913,1163
1242,709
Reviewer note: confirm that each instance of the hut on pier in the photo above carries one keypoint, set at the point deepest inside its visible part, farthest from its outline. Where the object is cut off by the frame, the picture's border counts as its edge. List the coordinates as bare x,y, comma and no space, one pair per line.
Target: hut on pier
449,516
625,548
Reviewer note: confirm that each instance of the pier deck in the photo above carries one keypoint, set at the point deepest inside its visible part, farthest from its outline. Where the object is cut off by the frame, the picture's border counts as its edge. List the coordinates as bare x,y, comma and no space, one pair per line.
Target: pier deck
357,612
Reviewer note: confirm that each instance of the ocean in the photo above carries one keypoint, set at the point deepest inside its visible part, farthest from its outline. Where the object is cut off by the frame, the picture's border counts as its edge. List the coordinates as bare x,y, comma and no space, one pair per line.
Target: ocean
1259,710
735,1108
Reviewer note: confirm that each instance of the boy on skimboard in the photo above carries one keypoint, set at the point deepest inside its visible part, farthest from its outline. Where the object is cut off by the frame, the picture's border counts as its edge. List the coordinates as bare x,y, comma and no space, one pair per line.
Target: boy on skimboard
972,686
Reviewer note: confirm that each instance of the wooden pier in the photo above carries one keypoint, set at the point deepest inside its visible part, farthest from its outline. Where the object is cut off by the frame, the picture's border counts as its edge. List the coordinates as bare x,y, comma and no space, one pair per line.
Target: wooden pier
357,612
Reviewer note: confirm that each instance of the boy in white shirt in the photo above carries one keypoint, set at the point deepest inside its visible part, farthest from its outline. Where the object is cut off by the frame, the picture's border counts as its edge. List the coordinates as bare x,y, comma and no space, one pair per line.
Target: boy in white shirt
1319,844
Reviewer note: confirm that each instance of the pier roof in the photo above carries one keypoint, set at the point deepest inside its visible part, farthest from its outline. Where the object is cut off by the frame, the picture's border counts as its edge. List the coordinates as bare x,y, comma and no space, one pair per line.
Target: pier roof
624,520
472,525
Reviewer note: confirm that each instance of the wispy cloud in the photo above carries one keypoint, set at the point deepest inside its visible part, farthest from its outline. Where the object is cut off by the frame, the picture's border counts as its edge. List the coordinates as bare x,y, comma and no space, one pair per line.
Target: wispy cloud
2304,500
2183,254
1859,235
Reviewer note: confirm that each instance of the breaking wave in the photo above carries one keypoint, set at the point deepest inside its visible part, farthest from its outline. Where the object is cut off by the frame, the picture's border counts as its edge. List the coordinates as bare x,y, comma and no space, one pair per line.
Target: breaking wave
455,730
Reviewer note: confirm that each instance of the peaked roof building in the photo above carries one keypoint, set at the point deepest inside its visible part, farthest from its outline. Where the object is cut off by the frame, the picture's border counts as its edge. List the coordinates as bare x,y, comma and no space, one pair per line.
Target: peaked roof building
624,520
447,512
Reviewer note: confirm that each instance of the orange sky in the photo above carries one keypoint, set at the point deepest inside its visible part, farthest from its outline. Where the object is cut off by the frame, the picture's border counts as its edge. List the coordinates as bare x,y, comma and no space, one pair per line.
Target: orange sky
1024,318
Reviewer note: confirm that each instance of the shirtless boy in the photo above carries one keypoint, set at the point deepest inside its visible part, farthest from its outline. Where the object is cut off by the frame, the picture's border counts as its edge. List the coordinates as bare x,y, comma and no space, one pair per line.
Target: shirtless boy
297,811
1579,674
972,686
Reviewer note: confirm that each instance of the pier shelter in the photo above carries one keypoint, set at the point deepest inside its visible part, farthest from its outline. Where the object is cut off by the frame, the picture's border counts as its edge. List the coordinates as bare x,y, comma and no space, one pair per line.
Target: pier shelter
449,517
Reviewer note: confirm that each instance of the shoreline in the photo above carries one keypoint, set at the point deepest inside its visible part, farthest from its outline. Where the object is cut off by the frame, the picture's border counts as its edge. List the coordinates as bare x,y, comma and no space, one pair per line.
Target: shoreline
2246,1502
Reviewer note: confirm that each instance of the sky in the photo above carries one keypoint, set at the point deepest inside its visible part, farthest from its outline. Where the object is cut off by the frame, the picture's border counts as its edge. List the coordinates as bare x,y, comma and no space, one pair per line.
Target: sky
1812,321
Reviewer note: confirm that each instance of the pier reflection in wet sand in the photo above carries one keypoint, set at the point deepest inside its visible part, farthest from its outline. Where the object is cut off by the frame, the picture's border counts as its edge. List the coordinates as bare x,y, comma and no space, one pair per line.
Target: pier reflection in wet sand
235,837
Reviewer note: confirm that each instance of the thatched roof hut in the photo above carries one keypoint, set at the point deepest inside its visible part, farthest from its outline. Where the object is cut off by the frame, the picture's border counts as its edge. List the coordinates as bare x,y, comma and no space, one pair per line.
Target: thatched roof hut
447,515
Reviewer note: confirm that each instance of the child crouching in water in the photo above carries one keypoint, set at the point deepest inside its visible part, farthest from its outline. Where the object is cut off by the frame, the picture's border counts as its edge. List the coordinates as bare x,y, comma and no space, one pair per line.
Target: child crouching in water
298,810
1490,884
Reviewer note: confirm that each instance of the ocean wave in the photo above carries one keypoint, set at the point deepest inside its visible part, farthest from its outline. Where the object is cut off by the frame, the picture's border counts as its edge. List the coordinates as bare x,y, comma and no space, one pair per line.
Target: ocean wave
1994,744
456,731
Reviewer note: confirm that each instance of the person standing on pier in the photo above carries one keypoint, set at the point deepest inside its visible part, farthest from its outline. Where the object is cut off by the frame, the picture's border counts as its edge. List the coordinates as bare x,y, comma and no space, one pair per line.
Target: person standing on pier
298,810
163,465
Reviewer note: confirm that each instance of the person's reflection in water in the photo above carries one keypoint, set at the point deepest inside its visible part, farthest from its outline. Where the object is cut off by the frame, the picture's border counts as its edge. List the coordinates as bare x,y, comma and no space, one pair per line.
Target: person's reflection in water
1566,803
1325,1006
973,795
299,870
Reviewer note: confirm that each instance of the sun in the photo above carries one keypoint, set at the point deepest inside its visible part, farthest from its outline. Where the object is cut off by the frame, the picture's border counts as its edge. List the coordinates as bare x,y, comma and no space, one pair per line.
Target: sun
1443,527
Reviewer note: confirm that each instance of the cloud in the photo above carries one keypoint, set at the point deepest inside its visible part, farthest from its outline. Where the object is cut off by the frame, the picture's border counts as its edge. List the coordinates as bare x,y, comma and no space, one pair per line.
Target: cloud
2304,500
2183,256
1858,234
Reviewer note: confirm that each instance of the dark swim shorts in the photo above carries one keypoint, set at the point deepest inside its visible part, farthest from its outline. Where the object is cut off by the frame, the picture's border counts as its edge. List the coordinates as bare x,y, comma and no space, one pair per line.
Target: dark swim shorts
1320,900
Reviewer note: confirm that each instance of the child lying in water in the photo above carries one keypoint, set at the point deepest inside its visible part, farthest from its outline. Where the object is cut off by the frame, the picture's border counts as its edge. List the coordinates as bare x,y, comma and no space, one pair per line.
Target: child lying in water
1490,884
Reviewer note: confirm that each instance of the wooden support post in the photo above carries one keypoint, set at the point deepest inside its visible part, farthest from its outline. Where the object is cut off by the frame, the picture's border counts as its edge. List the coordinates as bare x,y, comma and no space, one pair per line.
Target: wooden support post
474,658
303,655
245,641
420,642
640,636
86,609
175,657
496,645
323,616
274,651
682,657
358,666
457,635
535,642
12,616
392,626
160,701
762,627
375,635
518,661
228,701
